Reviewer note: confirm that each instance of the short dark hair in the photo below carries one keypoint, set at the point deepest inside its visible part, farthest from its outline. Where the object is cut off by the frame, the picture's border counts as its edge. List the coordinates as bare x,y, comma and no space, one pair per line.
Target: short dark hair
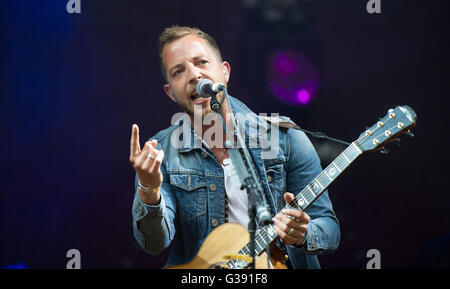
170,34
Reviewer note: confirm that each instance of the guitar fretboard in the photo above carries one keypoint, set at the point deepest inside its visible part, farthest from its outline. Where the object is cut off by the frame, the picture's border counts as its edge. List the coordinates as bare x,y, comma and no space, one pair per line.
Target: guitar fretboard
309,194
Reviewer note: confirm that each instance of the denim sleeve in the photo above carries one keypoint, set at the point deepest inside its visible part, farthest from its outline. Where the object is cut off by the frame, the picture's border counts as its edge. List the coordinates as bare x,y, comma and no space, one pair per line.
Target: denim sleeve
153,225
323,232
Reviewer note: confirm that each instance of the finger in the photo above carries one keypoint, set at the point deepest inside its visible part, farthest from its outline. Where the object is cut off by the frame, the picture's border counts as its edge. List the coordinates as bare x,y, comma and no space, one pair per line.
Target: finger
147,161
296,214
288,236
134,142
306,217
278,222
298,227
289,223
142,157
157,162
303,229
285,237
288,198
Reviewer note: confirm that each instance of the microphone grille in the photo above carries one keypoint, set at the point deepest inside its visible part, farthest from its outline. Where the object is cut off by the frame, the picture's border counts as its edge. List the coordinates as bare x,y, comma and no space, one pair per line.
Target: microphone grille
203,82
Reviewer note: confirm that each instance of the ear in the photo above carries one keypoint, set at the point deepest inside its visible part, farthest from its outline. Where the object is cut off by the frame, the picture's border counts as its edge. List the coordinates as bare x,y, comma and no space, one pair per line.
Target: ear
169,92
226,70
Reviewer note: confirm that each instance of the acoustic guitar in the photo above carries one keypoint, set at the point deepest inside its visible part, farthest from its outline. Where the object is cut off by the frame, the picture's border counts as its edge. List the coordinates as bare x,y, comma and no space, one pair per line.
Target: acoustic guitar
228,245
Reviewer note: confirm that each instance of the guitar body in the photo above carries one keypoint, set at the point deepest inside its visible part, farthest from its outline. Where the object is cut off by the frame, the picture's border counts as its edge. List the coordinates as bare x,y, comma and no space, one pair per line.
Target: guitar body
228,239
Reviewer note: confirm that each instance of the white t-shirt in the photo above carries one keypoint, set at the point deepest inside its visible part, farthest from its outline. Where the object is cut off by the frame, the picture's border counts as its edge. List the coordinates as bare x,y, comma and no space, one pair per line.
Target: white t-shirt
237,198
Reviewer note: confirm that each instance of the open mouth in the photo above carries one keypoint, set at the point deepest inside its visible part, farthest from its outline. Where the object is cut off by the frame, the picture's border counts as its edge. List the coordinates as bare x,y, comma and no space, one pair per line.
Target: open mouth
197,99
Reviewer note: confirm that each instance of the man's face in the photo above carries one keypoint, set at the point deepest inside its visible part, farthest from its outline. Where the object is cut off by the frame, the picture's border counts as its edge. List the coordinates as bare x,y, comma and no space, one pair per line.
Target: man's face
187,60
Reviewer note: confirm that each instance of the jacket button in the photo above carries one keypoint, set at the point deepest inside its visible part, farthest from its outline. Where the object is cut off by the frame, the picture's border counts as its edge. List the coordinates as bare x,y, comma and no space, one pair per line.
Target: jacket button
269,178
212,187
214,222
204,155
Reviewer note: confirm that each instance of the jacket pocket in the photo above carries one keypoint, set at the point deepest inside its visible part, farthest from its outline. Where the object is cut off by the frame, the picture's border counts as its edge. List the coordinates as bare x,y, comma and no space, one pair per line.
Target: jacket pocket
274,172
191,195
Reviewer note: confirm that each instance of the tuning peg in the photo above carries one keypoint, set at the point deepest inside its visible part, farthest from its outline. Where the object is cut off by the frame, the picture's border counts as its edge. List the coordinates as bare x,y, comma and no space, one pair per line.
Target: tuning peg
384,151
410,133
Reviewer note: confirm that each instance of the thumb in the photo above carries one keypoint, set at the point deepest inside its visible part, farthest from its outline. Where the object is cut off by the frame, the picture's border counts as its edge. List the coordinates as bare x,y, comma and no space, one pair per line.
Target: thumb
288,198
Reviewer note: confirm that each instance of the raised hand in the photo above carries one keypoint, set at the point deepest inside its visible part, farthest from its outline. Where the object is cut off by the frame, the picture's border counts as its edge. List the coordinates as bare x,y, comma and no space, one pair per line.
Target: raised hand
147,164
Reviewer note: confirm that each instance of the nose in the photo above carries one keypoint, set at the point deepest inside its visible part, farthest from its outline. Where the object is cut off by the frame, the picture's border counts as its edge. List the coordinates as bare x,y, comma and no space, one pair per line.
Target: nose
194,74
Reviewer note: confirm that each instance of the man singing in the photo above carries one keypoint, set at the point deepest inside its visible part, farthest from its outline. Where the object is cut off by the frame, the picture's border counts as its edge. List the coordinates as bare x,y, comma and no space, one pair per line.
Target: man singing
183,192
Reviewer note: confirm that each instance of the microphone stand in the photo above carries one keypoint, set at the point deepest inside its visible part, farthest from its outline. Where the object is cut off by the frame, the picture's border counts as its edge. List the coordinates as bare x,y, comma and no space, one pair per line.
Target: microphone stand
257,205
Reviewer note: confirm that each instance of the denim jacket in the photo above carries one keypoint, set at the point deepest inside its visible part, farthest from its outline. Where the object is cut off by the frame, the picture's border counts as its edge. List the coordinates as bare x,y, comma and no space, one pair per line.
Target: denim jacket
193,192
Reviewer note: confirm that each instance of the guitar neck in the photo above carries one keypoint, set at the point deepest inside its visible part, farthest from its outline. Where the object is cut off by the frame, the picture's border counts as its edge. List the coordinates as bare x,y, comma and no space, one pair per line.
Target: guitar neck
317,186
308,195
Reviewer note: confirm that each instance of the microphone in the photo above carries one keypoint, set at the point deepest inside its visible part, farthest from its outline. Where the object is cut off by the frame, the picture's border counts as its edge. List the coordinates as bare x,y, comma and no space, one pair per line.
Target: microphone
206,88
263,214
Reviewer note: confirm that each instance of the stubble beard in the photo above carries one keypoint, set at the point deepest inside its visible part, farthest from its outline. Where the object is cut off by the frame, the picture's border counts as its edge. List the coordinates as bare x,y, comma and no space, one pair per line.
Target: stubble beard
201,111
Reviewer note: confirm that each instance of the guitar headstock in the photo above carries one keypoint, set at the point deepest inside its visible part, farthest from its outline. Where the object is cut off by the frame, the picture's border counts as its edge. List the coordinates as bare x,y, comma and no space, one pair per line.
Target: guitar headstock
396,122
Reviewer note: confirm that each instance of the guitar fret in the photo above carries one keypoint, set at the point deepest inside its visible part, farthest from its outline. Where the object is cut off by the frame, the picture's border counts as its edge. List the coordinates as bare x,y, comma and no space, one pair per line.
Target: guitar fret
271,234
336,167
300,201
351,154
257,243
343,163
357,148
265,243
311,191
346,157
338,163
328,175
295,207
320,184
305,200
323,182
247,249
354,150
306,194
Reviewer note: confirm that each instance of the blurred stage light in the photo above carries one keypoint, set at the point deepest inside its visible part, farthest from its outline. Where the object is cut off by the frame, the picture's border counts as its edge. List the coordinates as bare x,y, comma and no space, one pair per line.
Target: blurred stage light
292,77
19,265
